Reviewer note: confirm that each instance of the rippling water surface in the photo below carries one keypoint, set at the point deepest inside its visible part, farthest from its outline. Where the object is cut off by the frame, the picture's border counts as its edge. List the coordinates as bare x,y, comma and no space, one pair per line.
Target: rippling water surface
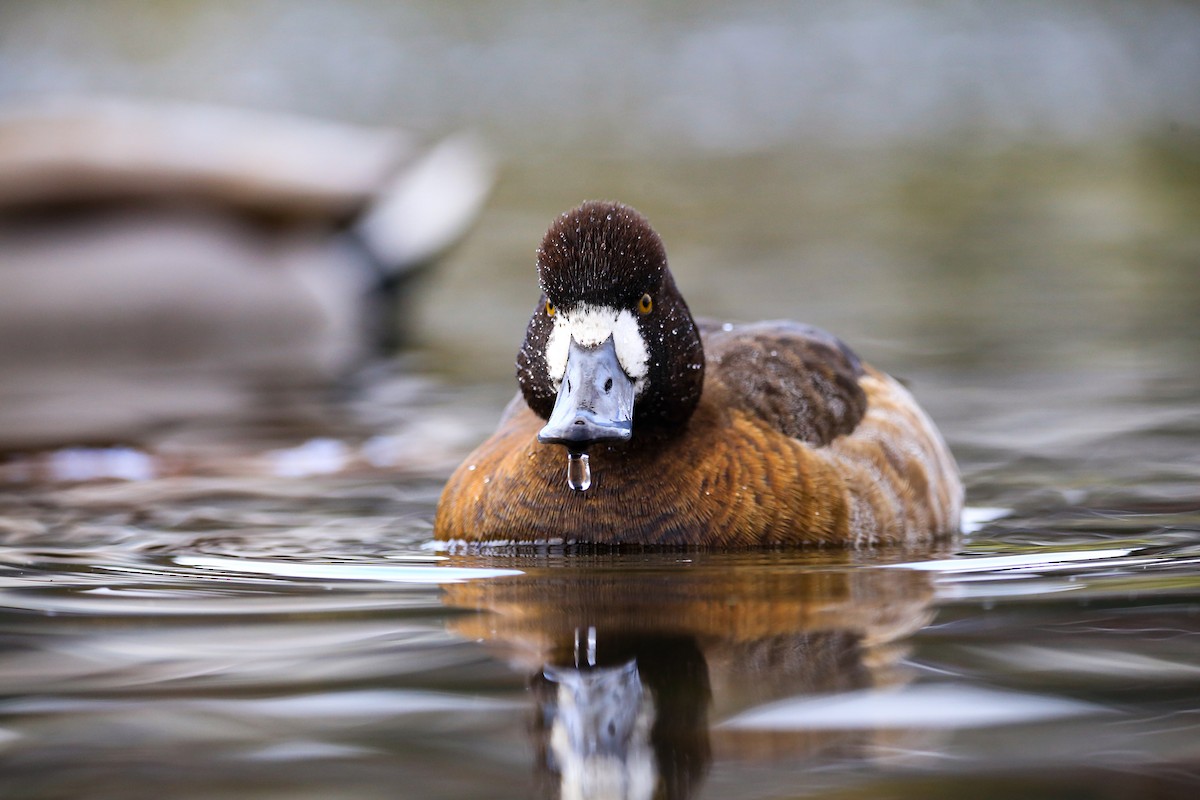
260,635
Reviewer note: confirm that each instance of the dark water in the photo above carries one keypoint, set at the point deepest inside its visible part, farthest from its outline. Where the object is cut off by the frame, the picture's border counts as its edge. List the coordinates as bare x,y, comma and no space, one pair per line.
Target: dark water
218,638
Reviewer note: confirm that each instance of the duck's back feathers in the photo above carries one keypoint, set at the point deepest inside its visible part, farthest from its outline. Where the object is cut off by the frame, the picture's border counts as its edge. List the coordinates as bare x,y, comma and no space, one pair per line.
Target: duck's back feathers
799,380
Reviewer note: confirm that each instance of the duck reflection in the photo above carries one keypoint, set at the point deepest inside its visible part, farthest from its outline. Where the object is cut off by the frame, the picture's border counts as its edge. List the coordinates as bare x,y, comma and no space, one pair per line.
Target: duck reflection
625,722
635,662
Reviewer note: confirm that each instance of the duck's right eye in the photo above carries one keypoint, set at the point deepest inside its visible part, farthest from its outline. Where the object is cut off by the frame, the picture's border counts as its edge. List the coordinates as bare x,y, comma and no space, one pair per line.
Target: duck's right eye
550,309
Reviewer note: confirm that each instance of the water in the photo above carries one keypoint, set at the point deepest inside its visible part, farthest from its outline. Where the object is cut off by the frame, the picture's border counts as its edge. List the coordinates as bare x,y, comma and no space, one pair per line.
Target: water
267,634
579,471
250,609
247,608
230,651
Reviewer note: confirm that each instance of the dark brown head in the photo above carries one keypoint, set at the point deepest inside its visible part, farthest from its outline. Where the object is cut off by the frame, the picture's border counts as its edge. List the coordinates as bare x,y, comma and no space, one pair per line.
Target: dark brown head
612,348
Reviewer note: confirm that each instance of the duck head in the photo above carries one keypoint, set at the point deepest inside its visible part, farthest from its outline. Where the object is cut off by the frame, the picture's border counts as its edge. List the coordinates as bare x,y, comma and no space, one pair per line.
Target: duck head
612,352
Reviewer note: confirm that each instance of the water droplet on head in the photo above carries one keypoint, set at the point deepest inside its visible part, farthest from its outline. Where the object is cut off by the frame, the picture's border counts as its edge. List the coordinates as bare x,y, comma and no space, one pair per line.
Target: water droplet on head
579,473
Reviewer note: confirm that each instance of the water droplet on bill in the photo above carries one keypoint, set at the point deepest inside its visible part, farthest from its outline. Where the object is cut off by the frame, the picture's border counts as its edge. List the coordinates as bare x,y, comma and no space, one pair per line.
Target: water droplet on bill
579,473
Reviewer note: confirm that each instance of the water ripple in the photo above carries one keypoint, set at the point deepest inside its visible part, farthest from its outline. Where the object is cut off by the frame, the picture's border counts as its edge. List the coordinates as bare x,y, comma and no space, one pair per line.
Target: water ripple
926,706
387,573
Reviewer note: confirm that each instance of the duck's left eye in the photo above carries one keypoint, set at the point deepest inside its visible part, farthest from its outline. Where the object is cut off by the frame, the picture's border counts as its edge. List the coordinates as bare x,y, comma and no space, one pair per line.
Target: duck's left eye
550,309
646,304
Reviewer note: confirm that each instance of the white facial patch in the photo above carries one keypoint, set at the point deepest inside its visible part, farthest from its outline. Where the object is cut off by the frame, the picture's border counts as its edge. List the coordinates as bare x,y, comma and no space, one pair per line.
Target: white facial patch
590,326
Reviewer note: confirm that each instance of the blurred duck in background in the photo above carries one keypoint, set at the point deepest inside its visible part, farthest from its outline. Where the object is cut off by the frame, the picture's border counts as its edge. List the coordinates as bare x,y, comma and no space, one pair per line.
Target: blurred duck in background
163,262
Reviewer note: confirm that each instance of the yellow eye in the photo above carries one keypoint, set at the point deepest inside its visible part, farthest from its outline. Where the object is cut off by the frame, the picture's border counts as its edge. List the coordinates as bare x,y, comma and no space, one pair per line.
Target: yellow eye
646,304
550,309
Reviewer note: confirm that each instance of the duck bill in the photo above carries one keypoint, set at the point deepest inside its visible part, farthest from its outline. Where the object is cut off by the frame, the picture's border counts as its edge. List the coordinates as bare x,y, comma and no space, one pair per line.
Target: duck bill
595,401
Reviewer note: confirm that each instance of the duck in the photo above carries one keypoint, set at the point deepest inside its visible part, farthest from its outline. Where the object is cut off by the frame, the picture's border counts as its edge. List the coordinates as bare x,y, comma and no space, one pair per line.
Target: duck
637,425
174,264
